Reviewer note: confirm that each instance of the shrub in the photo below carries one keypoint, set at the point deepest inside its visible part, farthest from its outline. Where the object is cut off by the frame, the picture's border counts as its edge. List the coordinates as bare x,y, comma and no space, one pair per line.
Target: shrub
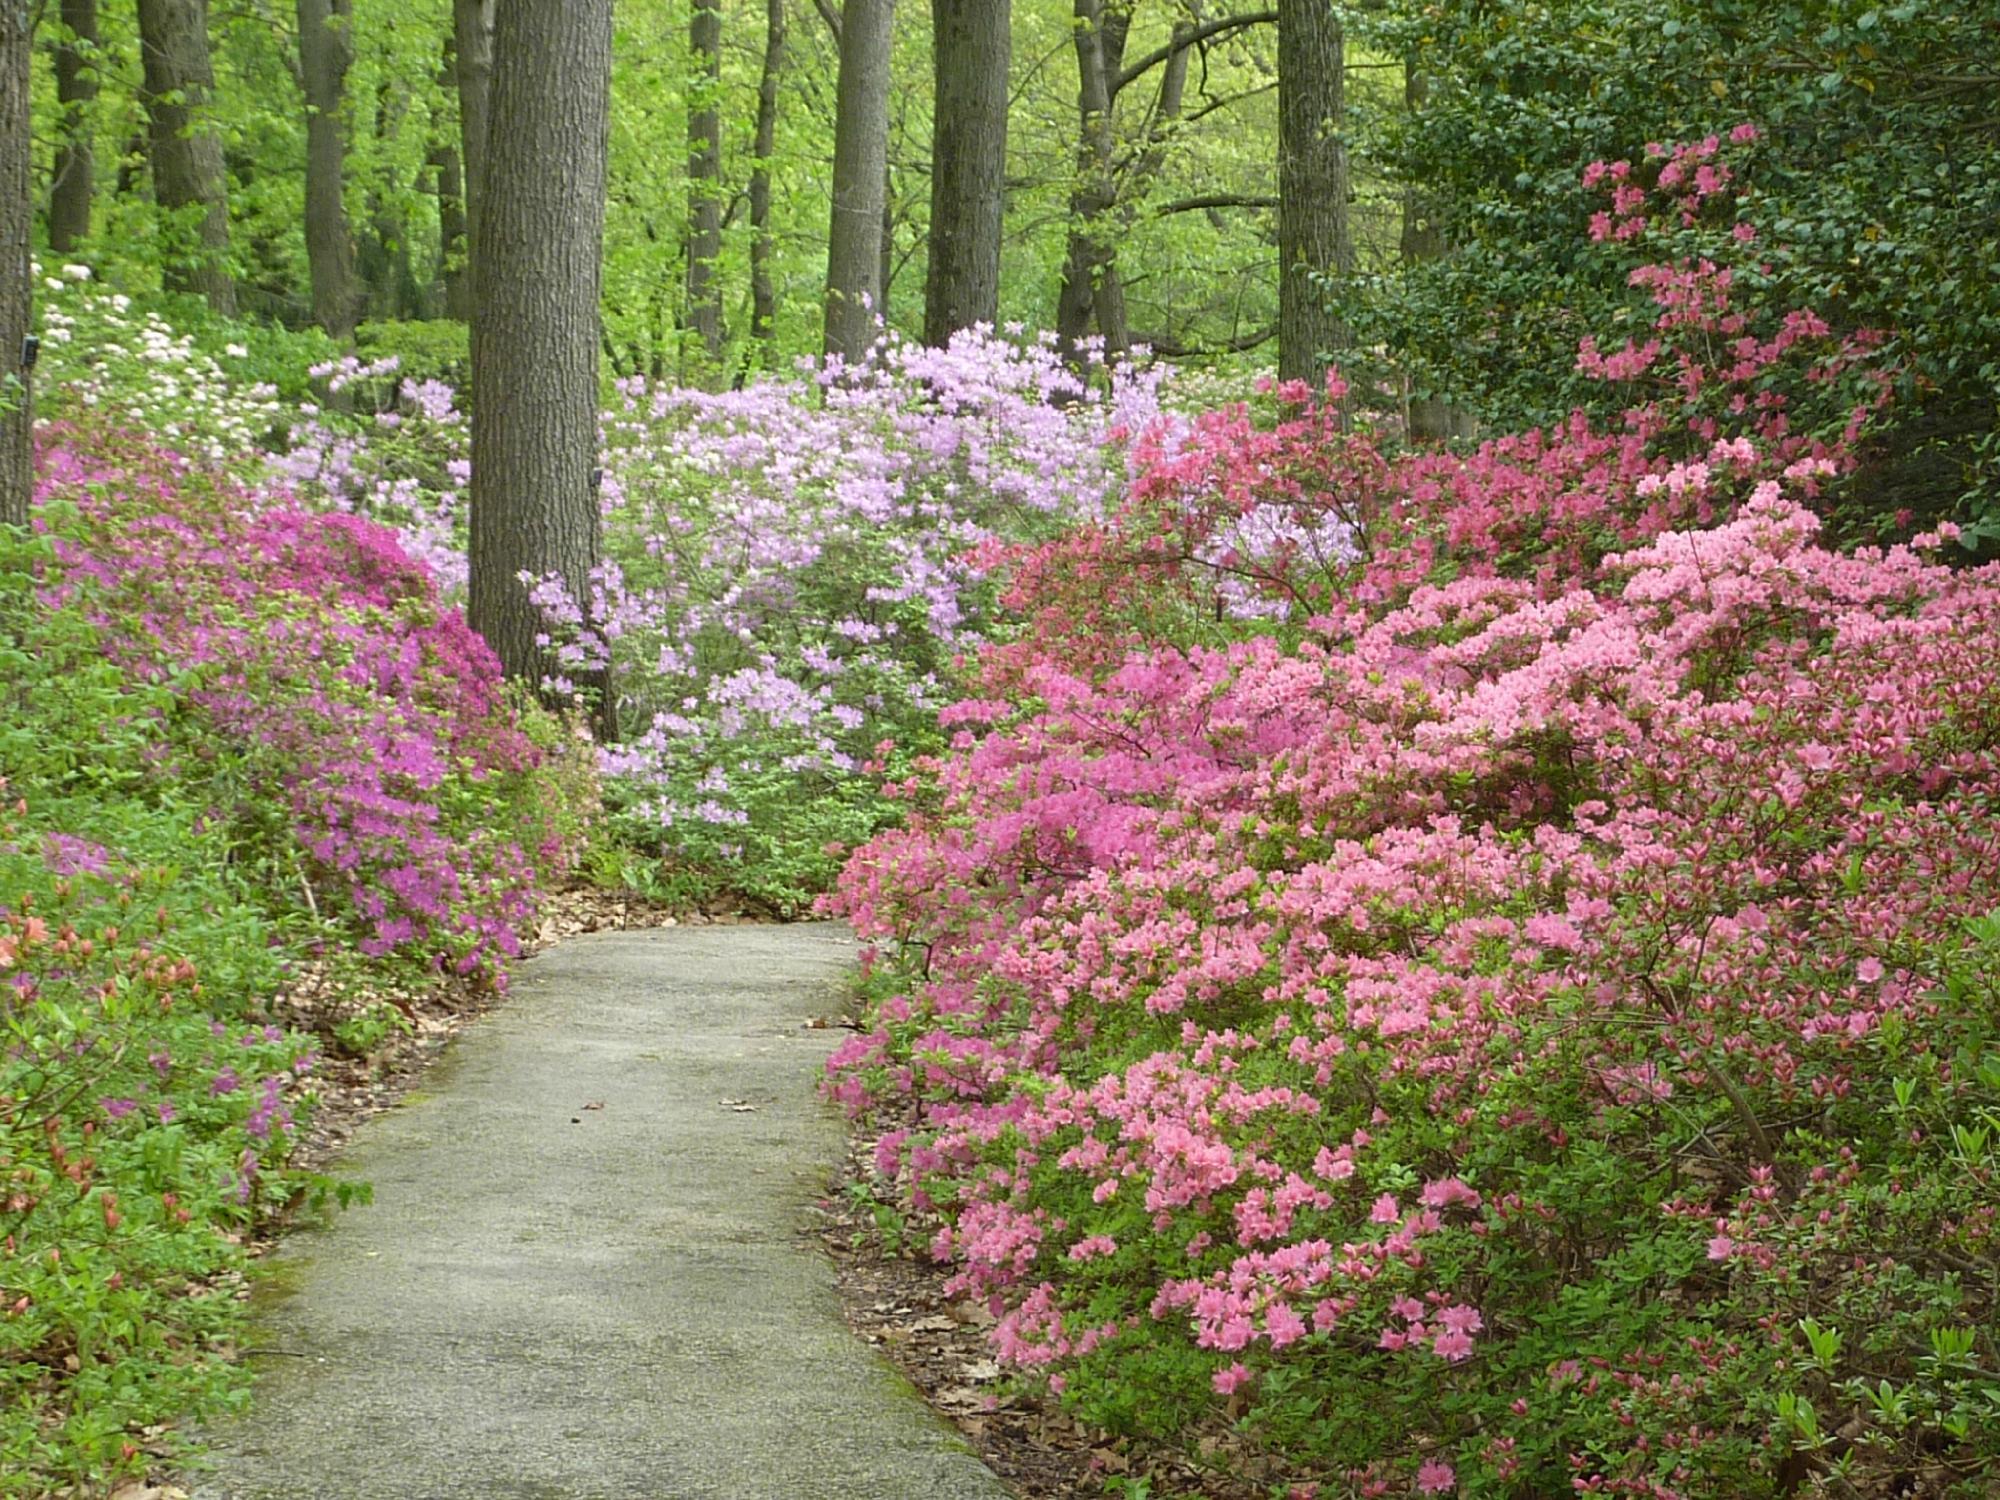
1481,968
145,1112
374,757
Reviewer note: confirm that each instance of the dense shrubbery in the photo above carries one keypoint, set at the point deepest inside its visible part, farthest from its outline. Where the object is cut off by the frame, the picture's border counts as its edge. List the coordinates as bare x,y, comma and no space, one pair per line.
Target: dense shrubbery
1483,969
1878,184
143,1110
792,570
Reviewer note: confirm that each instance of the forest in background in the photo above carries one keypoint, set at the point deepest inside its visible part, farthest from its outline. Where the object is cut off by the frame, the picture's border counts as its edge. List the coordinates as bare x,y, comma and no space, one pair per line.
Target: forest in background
1142,149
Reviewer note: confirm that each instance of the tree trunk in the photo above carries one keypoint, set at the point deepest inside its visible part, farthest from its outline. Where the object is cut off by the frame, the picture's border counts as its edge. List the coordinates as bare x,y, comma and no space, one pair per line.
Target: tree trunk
388,266
885,258
472,34
326,52
860,162
1427,418
972,48
17,227
537,277
76,94
1313,236
1091,287
704,292
763,298
186,152
450,186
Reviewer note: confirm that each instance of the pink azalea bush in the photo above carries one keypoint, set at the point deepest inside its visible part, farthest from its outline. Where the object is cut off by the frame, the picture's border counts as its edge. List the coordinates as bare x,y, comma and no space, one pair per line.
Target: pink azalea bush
1488,971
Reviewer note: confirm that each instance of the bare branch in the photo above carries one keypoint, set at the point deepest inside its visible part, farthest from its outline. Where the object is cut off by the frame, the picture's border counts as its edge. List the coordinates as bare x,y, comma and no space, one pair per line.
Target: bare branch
1192,37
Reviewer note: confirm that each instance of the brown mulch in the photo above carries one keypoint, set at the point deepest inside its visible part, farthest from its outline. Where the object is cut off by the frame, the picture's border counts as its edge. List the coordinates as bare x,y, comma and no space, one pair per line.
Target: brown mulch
894,1298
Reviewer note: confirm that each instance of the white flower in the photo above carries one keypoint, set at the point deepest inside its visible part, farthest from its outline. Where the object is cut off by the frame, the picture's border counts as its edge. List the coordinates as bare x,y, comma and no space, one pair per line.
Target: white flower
236,351
76,273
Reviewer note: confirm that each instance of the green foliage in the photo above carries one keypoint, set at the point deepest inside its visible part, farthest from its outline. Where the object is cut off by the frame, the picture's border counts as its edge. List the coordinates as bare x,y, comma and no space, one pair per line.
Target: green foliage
139,1133
1876,195
437,350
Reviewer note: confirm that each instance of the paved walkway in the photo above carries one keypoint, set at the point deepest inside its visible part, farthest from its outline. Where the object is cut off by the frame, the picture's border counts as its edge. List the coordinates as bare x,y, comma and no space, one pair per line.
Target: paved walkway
582,1277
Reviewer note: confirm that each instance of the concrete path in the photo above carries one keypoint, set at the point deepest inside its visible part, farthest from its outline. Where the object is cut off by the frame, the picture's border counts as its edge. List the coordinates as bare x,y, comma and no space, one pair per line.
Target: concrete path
583,1276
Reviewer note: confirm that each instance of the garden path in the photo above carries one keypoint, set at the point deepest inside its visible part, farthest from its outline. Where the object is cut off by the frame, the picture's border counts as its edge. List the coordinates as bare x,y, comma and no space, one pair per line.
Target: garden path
583,1276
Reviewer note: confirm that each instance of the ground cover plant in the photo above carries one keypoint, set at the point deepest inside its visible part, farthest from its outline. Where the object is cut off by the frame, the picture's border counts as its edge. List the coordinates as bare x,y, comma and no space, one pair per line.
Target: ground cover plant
1479,971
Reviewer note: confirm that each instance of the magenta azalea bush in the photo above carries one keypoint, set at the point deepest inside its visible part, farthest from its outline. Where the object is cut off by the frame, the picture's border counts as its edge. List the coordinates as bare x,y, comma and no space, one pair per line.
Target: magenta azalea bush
373,757
1480,970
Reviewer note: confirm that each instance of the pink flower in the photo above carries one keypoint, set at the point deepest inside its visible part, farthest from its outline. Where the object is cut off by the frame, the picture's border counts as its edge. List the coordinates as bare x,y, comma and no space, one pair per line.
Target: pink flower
1436,1477
1453,1344
1226,1381
1869,970
1385,1211
1721,1247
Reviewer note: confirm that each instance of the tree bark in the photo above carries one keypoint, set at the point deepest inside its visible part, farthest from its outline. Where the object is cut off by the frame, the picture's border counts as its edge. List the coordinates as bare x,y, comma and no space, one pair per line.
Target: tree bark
17,225
326,52
972,49
763,297
76,96
1313,233
186,152
704,292
537,277
1091,287
449,177
472,35
860,164
1428,418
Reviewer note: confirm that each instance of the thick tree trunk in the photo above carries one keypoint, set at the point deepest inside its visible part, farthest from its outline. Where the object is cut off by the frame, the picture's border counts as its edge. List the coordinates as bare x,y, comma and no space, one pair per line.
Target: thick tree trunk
860,162
1313,236
763,296
186,152
326,52
449,179
537,276
472,34
704,292
972,48
1091,288
76,95
1428,418
17,227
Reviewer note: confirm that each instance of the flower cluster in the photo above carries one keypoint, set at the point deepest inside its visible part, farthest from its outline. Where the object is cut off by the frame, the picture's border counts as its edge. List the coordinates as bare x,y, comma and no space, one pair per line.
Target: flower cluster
380,758
108,356
1467,974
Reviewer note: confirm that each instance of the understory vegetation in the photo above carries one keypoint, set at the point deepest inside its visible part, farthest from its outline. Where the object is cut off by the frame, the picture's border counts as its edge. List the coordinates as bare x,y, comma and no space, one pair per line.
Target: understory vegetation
1478,972
1432,931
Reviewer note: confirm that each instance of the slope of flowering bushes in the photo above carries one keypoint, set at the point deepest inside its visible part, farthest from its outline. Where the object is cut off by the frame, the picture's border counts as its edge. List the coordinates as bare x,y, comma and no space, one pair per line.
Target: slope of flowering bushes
375,755
1485,971
233,734
791,571
145,1112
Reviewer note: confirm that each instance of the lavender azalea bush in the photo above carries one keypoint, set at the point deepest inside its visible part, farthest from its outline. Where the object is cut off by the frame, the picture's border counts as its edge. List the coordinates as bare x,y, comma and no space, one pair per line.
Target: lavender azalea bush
793,572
